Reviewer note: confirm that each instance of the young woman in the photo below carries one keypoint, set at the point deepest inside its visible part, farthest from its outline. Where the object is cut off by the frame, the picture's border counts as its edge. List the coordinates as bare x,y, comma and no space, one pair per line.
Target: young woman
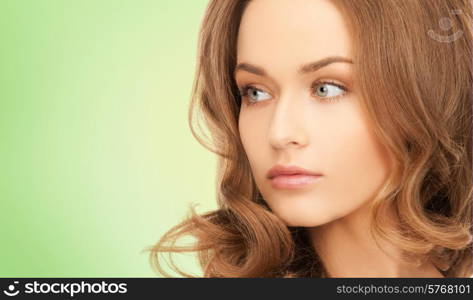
344,135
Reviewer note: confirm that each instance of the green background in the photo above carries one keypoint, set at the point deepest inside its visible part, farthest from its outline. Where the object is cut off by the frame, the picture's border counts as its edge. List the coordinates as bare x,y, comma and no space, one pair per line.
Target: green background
97,159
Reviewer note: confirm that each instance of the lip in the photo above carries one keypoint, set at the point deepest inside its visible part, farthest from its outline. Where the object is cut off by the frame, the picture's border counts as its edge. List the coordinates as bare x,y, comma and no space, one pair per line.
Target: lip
278,170
293,181
291,177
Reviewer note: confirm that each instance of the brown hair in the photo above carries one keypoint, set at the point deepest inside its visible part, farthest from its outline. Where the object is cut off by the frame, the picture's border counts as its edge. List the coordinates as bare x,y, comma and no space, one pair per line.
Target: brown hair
416,89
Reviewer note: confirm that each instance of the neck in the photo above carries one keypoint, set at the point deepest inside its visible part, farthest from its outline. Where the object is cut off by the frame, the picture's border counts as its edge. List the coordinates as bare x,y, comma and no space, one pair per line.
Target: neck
347,249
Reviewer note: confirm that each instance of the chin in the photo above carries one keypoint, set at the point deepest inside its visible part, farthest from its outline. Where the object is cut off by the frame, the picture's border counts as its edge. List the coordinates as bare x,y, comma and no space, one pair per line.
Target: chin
304,218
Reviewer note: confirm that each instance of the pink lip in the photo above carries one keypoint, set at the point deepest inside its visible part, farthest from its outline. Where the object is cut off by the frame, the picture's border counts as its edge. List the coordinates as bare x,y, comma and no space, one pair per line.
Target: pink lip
291,177
289,170
293,181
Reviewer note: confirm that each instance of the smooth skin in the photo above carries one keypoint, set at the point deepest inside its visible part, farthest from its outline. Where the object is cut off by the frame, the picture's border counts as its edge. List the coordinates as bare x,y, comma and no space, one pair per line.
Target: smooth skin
290,115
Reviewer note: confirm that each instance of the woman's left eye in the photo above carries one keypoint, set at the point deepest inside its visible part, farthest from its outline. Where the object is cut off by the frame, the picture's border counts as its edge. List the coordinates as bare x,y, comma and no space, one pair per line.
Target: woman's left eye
329,90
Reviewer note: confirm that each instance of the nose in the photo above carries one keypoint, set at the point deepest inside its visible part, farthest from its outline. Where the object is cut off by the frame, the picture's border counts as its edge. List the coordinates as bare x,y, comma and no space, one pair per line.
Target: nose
288,123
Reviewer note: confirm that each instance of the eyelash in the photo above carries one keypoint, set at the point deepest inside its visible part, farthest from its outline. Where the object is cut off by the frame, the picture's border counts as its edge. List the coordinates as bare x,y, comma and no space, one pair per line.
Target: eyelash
244,91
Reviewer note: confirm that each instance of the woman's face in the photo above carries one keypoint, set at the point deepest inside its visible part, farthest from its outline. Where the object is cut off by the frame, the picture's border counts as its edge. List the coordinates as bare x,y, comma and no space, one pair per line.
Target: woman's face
303,116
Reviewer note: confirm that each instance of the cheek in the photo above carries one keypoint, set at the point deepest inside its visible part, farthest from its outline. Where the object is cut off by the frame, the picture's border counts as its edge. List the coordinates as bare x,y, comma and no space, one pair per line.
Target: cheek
251,133
357,161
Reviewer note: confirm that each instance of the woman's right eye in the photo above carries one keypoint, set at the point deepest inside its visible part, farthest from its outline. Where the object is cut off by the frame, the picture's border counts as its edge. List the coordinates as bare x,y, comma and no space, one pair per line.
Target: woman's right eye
252,93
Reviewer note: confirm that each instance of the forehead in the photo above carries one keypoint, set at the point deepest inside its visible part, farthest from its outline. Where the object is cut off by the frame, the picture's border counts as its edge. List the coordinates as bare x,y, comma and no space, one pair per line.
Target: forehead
287,33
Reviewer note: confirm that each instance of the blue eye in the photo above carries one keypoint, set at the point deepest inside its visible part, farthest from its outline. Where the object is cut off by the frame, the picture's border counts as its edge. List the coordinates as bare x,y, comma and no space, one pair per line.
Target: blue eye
329,89
252,93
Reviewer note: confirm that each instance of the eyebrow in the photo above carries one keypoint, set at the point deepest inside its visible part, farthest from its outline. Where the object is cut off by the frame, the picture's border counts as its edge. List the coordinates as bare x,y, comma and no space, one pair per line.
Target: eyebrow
303,69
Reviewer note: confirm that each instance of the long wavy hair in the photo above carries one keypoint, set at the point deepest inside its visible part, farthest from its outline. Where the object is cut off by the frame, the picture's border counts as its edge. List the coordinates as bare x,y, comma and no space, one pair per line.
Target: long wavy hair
415,84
